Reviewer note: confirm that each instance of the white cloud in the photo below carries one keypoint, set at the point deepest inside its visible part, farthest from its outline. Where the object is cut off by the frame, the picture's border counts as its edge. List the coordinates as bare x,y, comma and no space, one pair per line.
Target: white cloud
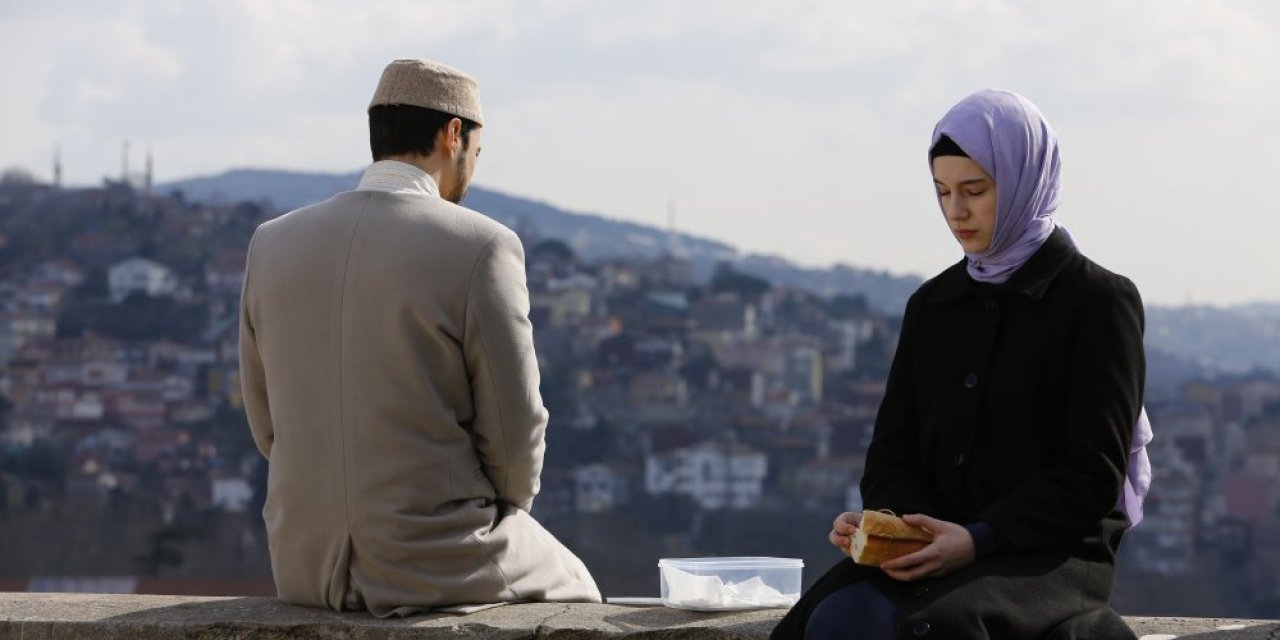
797,127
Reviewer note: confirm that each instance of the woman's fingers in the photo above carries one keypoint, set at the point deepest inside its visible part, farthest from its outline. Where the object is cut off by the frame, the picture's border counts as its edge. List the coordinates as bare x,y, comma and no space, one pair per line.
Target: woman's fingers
920,520
925,563
838,540
838,524
842,528
846,523
951,549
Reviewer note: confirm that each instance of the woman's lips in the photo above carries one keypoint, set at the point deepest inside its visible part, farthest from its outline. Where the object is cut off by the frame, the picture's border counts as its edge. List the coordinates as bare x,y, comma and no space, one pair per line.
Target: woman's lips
965,234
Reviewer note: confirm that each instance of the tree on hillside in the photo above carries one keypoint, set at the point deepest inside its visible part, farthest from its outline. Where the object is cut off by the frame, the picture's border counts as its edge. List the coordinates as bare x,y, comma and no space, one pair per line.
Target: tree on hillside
164,552
17,177
94,287
137,317
848,306
730,280
42,461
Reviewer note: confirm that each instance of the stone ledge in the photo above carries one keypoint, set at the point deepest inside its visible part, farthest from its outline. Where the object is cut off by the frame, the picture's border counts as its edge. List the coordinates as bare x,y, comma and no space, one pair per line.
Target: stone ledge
37,616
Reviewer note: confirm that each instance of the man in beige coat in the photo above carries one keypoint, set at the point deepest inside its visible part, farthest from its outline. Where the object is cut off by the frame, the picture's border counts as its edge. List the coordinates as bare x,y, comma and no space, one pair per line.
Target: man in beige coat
390,379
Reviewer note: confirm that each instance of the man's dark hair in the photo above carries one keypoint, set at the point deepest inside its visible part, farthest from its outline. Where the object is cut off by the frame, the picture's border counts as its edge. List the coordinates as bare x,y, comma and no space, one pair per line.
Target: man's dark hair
400,128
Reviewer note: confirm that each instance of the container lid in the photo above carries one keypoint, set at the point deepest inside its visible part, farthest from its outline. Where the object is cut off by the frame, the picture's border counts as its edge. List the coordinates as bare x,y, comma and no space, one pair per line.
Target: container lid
732,563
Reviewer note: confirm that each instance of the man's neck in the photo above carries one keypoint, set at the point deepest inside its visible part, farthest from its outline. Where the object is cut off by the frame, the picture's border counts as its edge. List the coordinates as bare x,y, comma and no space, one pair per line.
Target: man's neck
397,176
433,164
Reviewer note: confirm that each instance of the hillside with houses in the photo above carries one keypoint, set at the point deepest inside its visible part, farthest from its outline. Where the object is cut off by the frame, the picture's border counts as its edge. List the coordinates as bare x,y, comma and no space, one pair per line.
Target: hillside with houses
694,411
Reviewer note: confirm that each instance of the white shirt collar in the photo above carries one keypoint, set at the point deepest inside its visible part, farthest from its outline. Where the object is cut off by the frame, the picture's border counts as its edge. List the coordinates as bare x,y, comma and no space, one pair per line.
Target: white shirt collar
394,176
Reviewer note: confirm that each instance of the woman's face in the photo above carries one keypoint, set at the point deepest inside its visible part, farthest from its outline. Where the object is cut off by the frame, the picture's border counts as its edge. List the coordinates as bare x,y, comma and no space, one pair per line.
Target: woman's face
967,196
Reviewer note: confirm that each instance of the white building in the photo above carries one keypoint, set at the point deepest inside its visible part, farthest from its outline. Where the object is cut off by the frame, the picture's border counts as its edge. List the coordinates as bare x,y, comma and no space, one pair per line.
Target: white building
232,493
140,274
19,328
103,373
599,488
71,403
716,475
225,272
63,272
23,430
1165,540
792,366
846,336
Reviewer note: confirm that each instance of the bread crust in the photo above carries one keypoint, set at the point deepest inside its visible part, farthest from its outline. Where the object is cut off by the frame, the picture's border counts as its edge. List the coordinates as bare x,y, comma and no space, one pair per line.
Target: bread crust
882,536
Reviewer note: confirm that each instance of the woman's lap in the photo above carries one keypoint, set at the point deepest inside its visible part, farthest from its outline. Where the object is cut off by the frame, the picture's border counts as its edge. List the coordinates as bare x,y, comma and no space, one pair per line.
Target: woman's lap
859,610
1004,597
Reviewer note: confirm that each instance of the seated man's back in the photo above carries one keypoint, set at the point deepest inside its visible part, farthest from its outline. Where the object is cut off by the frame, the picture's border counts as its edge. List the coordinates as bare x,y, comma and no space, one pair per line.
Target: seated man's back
389,376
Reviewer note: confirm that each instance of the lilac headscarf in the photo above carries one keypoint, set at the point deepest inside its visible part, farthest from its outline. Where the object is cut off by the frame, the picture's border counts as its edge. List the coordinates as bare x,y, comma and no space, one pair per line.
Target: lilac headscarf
1006,135
1010,139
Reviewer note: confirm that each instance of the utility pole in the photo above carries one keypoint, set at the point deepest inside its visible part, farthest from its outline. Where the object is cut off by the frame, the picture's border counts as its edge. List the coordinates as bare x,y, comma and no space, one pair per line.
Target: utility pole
57,166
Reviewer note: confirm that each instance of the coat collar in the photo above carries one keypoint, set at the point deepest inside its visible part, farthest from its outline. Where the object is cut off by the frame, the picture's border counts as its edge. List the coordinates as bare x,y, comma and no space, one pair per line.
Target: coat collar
1032,280
394,176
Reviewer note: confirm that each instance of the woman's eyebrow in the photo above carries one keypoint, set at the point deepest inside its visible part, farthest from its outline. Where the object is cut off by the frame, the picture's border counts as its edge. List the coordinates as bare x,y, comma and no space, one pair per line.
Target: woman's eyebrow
962,182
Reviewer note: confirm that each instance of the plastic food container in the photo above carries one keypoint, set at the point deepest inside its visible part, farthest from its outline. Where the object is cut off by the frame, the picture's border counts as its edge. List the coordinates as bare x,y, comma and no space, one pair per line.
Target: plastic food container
720,584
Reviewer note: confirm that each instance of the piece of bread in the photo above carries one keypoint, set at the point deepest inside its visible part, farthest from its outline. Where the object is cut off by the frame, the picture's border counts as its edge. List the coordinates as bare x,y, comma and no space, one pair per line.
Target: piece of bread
883,536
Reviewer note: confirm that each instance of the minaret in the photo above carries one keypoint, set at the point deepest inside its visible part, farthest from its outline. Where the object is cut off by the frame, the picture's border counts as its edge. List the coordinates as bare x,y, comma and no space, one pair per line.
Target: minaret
675,263
675,247
124,164
148,180
57,166
671,226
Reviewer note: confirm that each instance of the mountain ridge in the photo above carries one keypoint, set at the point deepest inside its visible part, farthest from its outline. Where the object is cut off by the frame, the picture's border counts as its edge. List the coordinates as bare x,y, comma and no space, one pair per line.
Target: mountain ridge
592,236
1234,339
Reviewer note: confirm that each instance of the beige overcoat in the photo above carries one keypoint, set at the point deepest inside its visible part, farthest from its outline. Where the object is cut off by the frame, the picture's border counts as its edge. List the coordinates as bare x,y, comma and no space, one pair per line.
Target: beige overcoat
389,377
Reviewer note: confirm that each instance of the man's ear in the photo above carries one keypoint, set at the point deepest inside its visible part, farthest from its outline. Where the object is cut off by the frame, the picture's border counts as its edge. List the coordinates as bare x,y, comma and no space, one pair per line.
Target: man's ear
454,136
449,138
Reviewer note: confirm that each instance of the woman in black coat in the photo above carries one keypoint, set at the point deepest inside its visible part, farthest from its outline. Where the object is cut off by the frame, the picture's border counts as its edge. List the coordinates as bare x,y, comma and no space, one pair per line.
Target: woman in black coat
1008,418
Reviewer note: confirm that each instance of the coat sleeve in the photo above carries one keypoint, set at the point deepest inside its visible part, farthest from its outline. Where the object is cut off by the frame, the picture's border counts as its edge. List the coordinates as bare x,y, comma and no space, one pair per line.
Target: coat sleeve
1108,370
510,421
253,381
894,476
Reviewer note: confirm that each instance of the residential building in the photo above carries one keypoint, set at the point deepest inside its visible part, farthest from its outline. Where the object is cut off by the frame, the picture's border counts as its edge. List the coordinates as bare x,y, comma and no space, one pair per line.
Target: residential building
600,488
716,475
140,275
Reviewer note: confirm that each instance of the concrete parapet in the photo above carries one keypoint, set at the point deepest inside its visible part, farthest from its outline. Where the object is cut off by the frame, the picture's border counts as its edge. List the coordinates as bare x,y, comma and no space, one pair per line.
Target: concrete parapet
40,616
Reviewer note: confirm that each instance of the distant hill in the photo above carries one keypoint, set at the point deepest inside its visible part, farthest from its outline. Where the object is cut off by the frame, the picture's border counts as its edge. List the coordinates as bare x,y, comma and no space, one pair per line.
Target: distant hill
593,237
284,190
1234,339
1183,339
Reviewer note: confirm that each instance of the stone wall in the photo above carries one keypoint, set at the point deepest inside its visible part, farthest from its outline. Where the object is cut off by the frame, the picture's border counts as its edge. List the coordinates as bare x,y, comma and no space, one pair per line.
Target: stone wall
36,616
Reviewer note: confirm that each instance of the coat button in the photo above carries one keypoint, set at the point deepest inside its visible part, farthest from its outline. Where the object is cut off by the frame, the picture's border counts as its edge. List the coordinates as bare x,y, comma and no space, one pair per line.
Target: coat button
920,592
989,305
970,380
920,629
958,459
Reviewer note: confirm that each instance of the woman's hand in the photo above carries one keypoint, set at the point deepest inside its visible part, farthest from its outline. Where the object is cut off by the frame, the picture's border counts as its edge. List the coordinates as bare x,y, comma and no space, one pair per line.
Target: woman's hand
951,549
842,530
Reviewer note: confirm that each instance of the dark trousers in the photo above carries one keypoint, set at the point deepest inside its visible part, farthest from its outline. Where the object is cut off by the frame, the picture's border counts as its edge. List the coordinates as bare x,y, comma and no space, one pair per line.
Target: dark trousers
857,611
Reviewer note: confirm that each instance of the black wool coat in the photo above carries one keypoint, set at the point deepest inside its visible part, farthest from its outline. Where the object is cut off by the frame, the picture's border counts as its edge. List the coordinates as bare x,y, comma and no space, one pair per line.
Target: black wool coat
1014,405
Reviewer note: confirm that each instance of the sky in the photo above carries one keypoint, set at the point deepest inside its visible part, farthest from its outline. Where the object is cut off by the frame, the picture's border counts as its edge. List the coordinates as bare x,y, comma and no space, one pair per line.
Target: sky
795,128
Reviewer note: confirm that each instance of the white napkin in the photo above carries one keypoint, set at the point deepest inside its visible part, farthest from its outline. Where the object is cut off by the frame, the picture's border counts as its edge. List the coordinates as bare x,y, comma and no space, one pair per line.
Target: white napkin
689,591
